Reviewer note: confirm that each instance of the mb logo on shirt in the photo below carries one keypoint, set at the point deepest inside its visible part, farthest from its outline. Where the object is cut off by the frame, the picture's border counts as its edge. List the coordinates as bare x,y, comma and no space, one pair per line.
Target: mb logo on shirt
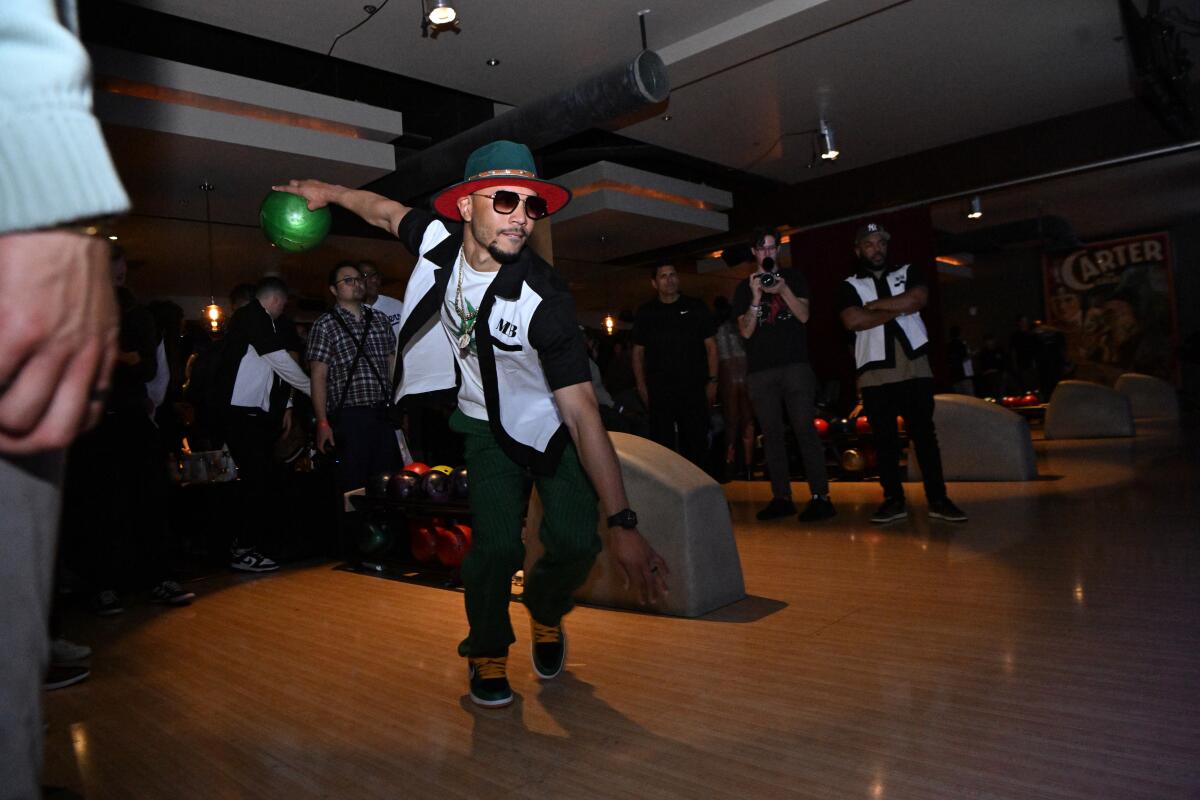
506,328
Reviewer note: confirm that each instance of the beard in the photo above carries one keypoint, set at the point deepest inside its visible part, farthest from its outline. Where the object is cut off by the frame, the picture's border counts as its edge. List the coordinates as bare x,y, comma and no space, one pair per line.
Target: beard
502,256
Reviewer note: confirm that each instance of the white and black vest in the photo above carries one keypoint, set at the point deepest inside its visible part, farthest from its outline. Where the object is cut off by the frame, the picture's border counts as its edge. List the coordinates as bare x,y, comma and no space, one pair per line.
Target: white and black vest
873,347
530,346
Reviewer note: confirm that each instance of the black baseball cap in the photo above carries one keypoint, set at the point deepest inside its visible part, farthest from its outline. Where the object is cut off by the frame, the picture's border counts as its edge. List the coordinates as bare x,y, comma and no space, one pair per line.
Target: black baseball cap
870,228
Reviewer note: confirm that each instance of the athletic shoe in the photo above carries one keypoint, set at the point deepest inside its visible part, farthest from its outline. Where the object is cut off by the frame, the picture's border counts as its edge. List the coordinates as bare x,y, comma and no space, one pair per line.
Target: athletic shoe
818,508
944,509
548,649
107,604
60,677
249,560
170,593
778,507
65,652
489,681
893,508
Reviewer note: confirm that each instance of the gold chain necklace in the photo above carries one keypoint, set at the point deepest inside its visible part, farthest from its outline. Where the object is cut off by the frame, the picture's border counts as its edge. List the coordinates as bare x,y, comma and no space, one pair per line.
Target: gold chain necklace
468,318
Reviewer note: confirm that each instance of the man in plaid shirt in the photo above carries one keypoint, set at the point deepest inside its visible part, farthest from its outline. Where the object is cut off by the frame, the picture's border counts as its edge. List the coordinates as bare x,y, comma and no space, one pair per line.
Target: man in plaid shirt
350,389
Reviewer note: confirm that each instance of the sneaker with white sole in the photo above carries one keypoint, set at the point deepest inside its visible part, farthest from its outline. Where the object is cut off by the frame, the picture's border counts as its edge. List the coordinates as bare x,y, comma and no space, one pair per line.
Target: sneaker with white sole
892,509
67,652
944,509
548,650
59,676
249,560
489,681
170,593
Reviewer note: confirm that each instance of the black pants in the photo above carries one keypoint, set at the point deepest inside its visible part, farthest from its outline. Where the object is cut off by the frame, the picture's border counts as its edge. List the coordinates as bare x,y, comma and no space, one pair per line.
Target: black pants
365,445
912,400
115,526
687,408
251,434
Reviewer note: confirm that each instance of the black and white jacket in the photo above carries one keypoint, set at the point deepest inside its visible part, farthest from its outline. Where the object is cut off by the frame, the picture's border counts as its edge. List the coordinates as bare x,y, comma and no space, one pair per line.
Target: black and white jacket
873,348
530,346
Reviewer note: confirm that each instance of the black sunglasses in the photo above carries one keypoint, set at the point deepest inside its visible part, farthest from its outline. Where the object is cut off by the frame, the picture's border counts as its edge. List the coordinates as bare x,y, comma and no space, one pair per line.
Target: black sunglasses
506,202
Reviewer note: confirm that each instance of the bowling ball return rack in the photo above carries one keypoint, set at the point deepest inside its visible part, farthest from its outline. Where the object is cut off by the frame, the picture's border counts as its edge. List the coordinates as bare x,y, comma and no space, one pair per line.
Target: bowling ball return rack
396,560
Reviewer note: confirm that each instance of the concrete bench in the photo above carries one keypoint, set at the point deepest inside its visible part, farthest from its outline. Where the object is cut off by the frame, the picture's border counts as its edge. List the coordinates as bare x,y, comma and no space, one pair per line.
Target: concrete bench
979,441
1085,410
683,514
1149,397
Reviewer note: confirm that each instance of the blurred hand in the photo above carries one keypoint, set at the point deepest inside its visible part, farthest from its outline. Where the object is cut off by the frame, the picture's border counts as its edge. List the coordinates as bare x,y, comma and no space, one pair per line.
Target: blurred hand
58,337
643,568
325,439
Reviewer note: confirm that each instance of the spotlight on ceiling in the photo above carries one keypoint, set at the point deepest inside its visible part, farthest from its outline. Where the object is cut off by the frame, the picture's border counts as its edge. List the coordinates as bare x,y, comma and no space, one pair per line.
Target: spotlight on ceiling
440,12
976,208
829,151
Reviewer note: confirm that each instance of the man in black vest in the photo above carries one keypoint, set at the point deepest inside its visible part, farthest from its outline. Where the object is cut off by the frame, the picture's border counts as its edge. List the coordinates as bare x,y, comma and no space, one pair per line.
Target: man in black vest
882,304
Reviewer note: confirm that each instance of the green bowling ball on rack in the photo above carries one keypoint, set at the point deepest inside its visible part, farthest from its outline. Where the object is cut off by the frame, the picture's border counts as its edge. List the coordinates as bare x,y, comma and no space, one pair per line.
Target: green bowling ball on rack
289,225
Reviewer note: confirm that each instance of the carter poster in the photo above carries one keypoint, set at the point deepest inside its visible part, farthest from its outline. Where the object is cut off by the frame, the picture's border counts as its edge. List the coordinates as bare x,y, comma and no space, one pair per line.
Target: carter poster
1113,301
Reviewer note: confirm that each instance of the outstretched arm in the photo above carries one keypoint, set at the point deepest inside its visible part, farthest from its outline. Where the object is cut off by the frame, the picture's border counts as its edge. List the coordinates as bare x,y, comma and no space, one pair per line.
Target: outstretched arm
643,567
374,208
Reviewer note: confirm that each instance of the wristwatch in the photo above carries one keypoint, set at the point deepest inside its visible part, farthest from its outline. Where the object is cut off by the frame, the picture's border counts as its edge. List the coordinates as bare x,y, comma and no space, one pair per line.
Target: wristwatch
625,518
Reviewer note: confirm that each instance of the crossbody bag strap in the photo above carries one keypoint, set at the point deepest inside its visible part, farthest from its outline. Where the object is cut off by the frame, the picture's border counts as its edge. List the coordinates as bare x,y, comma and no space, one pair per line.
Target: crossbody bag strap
357,355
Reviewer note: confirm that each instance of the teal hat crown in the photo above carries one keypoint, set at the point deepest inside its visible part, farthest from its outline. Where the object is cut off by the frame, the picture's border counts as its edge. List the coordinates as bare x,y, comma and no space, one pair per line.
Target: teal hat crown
500,163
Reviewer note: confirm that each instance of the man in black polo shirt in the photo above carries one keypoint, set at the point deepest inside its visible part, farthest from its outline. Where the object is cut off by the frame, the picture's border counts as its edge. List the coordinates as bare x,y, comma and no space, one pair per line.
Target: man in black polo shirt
351,351
882,304
254,359
772,308
675,365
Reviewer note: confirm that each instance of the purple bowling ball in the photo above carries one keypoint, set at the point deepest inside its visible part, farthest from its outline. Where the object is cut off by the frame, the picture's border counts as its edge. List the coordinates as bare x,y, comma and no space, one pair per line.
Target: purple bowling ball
460,488
437,486
404,485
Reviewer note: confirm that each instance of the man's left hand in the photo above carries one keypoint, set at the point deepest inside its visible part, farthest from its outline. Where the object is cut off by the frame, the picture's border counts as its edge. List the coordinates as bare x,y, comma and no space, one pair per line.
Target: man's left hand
774,288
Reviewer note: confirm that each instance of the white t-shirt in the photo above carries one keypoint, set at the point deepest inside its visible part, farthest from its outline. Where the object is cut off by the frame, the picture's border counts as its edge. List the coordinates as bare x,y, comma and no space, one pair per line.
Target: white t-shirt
391,308
470,395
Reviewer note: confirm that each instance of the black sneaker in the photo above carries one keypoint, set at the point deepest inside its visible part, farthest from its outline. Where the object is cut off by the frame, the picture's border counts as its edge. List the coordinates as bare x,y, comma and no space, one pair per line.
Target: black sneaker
548,650
489,681
893,508
107,604
249,560
778,507
818,508
60,677
170,593
944,509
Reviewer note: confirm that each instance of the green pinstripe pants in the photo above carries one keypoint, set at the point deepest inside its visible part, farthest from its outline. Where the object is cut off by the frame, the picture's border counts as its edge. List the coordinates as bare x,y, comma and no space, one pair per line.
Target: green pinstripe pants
499,488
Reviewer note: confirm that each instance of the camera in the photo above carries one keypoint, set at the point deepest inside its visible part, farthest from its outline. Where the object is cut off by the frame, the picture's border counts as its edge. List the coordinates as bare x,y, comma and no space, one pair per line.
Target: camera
767,278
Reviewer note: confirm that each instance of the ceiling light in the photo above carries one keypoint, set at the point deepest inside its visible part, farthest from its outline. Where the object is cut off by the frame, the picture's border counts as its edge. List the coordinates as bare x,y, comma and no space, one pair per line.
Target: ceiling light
493,62
112,238
666,117
440,12
976,208
828,151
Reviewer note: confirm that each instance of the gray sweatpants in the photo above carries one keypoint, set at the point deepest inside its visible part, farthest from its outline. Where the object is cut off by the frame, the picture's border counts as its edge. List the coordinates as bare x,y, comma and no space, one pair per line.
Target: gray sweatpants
794,387
30,499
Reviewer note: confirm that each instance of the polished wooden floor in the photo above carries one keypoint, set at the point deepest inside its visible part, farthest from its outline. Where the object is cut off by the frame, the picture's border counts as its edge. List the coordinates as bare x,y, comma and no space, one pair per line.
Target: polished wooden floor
1047,649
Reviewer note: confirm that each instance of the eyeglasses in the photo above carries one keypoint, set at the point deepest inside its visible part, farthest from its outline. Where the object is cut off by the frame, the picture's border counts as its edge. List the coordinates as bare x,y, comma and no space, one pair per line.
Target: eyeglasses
350,280
505,202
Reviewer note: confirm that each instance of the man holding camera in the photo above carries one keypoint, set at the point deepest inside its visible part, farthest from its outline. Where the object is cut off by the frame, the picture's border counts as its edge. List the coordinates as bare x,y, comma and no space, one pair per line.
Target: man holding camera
772,309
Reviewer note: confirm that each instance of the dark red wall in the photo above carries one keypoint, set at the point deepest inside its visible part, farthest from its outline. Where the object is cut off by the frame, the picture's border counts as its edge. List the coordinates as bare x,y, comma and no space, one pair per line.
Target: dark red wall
826,256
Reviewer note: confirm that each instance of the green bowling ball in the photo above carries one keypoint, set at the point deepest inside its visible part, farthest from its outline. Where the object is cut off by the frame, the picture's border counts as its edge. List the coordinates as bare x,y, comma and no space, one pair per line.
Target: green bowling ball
289,225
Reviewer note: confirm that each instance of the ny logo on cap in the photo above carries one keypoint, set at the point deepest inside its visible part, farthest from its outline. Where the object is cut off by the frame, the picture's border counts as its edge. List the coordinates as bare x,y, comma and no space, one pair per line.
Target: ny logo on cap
872,228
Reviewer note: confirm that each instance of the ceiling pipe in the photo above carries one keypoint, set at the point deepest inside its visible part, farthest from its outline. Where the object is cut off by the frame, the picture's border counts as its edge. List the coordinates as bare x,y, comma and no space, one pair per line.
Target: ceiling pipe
607,99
